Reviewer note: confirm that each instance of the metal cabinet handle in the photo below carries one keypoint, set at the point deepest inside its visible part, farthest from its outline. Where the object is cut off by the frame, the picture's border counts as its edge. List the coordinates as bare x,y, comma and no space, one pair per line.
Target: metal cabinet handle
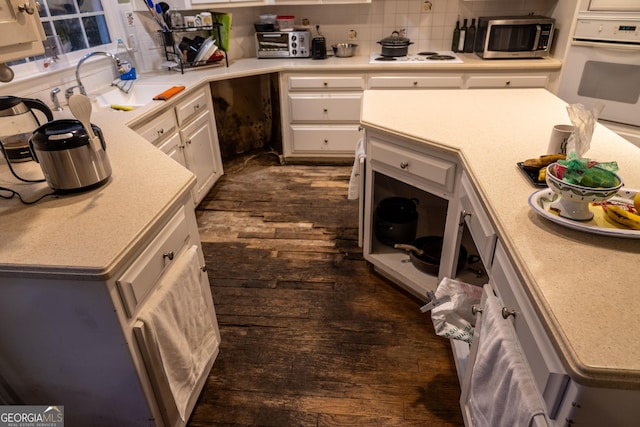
475,309
404,165
326,141
196,107
188,141
507,83
506,313
415,83
325,84
161,131
26,7
168,255
324,110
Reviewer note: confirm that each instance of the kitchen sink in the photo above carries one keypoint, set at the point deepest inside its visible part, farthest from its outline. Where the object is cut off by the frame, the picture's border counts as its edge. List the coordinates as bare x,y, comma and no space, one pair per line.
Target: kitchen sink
140,95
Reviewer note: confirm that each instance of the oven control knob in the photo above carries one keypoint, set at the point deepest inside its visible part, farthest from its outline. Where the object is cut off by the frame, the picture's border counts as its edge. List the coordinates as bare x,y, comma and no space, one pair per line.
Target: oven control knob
294,45
294,52
293,38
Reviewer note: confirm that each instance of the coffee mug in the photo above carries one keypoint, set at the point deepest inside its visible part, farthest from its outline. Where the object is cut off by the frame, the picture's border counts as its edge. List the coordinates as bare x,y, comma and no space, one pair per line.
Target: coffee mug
206,19
190,21
559,137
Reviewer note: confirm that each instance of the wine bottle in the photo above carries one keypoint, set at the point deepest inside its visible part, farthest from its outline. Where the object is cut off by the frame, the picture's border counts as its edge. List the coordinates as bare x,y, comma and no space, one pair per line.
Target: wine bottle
470,37
456,36
463,36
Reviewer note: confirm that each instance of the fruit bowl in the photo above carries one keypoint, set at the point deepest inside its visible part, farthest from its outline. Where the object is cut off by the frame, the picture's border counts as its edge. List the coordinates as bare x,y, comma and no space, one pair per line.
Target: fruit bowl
574,199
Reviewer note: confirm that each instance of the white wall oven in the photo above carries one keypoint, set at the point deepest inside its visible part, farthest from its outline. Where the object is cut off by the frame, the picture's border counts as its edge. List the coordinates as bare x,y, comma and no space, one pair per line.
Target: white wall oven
602,67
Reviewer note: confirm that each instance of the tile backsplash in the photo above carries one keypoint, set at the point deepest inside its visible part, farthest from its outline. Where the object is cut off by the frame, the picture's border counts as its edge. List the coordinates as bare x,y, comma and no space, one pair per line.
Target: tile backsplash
428,23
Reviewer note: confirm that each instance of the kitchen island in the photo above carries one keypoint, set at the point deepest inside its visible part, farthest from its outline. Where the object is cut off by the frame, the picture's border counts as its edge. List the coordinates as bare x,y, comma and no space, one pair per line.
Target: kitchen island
581,286
81,276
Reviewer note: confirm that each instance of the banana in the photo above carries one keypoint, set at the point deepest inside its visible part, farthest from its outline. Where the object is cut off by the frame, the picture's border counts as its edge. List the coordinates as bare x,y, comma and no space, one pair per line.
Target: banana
623,216
636,202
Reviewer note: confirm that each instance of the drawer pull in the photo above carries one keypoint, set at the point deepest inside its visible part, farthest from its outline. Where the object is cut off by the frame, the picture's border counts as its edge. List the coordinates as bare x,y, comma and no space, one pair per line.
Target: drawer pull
507,83
196,107
161,131
506,313
404,165
415,83
168,255
326,141
325,110
203,268
475,309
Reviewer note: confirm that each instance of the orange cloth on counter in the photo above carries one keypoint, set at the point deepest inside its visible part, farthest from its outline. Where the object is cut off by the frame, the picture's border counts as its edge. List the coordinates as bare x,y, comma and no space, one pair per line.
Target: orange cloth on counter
168,93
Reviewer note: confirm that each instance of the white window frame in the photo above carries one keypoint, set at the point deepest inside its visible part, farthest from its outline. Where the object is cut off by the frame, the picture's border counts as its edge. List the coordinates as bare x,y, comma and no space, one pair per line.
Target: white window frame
112,13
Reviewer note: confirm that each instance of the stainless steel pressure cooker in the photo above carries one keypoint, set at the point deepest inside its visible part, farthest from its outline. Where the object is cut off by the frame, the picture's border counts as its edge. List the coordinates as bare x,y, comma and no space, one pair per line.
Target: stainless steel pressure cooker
67,158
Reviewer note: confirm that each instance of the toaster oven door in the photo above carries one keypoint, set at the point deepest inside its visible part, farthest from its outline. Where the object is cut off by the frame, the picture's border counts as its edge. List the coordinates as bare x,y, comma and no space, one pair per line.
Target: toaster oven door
272,45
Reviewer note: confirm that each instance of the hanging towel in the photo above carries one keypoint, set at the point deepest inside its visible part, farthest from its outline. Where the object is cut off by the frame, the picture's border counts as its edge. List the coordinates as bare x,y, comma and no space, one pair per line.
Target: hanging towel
181,324
354,181
502,390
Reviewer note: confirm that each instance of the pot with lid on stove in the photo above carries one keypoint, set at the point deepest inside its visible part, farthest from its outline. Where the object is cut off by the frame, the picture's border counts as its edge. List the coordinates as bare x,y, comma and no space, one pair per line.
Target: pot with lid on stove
69,161
395,45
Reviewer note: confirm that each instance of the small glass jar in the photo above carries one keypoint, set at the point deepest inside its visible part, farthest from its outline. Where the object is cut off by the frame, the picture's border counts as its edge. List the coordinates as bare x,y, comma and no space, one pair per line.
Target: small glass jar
175,19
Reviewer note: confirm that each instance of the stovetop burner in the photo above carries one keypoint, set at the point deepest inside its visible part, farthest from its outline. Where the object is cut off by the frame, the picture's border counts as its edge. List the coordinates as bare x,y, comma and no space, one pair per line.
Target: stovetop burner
436,57
441,57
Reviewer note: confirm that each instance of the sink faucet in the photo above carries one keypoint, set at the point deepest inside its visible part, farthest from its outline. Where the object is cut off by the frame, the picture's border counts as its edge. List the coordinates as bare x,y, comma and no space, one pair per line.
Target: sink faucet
80,86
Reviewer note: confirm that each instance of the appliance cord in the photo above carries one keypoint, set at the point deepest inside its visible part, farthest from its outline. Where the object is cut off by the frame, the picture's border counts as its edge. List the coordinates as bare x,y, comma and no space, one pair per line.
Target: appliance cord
13,193
6,156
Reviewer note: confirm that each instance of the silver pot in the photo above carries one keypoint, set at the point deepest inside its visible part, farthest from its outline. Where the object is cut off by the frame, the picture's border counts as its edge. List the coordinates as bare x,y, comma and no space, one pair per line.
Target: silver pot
395,45
67,158
344,50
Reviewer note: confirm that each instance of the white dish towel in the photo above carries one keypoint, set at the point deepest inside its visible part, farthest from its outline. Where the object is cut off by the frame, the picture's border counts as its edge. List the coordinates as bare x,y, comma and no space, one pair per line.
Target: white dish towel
354,181
502,390
180,322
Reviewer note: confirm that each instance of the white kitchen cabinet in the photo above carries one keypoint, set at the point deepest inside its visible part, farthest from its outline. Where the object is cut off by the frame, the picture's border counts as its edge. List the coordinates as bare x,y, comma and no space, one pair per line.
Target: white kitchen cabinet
321,115
74,341
415,81
399,167
187,133
22,32
506,80
202,153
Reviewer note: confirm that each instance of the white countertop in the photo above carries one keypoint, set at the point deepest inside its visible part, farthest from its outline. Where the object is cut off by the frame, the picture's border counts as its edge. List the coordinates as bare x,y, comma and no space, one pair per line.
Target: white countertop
88,235
584,286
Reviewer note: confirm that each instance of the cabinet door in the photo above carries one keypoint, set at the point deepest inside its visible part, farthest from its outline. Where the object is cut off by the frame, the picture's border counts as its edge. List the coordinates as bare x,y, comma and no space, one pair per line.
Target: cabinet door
202,153
20,25
547,370
174,148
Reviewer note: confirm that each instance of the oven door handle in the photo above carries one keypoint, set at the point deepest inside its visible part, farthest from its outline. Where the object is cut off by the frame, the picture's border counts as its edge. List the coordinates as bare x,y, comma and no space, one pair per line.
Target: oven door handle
606,45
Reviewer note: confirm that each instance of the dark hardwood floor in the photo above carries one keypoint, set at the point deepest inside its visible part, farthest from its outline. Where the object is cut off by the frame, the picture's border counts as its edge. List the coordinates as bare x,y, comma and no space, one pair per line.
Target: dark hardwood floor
310,335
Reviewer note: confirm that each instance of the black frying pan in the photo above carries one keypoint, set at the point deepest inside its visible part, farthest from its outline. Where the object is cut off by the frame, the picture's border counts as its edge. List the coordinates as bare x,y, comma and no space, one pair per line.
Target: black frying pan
425,254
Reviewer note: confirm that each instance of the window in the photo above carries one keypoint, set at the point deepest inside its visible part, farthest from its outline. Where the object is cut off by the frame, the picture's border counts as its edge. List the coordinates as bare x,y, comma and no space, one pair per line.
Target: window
72,26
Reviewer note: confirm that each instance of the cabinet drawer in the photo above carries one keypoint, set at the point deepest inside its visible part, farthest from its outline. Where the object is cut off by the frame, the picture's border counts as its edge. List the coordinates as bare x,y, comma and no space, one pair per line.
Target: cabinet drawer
158,128
325,108
192,106
332,138
139,279
507,81
327,82
432,169
392,82
481,229
547,370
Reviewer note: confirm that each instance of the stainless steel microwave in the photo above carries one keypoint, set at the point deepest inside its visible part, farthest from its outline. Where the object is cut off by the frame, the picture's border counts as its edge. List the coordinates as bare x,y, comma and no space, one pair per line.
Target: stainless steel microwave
526,36
283,44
